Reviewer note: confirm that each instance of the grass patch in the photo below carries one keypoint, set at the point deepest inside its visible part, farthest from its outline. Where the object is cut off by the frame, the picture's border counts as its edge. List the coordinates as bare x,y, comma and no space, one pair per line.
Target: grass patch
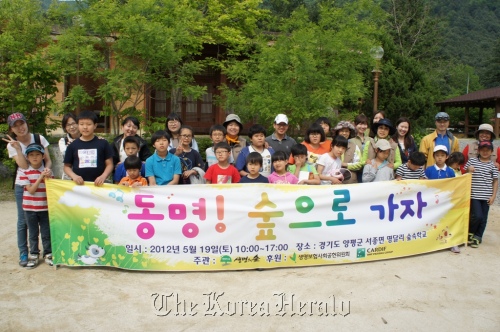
6,191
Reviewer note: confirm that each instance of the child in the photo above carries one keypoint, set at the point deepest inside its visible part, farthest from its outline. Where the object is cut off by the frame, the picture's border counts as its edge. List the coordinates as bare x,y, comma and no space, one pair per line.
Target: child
439,170
316,143
88,158
16,145
257,135
133,167
413,169
305,172
377,169
254,164
484,191
217,134
222,172
351,159
131,148
456,161
329,164
191,161
162,168
280,174
35,203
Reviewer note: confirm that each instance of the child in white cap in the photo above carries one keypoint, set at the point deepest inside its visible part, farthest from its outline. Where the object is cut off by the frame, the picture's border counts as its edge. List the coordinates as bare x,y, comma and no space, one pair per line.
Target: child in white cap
377,169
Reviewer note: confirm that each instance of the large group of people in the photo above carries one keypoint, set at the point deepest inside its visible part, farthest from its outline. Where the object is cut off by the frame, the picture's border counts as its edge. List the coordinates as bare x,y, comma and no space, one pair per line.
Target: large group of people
346,153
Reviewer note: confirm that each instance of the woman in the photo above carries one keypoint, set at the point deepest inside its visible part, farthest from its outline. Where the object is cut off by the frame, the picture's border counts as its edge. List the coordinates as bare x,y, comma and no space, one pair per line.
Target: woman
16,146
234,127
130,126
376,118
483,133
174,124
70,128
351,159
316,144
383,129
405,140
361,124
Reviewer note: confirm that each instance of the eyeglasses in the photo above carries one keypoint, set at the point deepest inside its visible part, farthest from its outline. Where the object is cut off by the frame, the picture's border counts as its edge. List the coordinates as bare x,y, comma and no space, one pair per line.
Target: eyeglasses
443,119
221,152
186,136
74,124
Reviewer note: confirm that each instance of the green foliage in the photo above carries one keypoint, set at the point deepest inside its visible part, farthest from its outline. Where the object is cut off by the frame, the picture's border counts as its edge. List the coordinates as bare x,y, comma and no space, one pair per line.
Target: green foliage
204,142
307,70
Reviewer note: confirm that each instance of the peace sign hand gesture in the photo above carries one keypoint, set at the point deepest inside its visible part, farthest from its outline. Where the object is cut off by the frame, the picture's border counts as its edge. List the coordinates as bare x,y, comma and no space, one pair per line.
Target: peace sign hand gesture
15,144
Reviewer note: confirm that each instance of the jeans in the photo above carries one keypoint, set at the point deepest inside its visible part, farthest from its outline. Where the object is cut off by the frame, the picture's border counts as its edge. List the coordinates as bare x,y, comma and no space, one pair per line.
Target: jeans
38,222
22,226
477,223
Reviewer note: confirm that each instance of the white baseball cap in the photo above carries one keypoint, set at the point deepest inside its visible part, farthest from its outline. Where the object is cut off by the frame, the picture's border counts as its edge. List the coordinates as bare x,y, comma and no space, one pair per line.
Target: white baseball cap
281,118
441,148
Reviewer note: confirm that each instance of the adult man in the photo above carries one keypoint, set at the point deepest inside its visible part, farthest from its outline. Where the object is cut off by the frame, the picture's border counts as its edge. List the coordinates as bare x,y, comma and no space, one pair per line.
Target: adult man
441,136
279,140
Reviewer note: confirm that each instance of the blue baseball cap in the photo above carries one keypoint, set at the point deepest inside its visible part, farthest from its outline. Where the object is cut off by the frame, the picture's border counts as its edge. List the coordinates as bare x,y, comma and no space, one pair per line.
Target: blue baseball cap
34,147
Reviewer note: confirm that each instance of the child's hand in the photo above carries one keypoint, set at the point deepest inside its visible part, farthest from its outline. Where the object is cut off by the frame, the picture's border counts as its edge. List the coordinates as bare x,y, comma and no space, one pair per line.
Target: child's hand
336,181
470,169
99,181
369,162
78,180
491,200
136,184
390,165
178,150
302,182
187,174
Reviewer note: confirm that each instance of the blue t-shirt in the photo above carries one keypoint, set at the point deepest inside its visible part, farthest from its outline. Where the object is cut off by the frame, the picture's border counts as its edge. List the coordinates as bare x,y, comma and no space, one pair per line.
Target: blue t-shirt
163,169
121,172
259,179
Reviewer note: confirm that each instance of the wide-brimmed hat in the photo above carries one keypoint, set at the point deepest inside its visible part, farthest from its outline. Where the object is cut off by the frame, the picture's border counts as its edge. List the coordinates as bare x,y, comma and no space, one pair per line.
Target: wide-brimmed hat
342,125
233,117
486,127
11,119
385,122
34,147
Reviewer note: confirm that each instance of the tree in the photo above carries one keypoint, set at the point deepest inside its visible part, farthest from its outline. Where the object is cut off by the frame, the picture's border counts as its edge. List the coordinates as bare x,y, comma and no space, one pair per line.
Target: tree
26,81
307,70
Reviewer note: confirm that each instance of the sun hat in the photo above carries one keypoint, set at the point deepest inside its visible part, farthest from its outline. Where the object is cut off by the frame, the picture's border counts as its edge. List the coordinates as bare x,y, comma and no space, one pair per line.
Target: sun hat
281,118
385,122
233,117
342,125
11,119
486,127
441,148
383,144
442,116
34,147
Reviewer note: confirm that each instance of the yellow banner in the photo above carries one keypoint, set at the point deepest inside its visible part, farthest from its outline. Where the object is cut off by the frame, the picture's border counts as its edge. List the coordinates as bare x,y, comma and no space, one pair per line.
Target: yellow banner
248,226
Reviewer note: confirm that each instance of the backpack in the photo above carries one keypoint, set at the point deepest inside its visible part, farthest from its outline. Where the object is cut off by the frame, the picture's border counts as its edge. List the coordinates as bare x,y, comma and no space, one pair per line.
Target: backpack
37,141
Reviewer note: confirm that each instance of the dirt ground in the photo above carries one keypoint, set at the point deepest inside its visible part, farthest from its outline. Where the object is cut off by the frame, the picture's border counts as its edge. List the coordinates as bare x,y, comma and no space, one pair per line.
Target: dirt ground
440,291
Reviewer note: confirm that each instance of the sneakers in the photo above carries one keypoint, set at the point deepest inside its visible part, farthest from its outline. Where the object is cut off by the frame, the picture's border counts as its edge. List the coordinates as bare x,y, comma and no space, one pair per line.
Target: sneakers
48,260
23,260
32,261
455,249
469,238
474,243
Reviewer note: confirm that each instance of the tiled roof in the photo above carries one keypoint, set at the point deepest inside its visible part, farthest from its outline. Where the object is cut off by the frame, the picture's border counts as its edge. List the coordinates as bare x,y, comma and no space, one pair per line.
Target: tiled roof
485,98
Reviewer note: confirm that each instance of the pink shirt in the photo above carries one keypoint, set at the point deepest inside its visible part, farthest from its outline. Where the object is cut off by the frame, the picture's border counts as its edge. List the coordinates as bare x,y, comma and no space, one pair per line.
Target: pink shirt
287,178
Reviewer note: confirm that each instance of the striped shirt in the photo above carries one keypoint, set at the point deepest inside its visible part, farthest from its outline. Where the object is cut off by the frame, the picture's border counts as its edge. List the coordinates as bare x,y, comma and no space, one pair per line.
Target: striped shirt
408,174
38,201
482,178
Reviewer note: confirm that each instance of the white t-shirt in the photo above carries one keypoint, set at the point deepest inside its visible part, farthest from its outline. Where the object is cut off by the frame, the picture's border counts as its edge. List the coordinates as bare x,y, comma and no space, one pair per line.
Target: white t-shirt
330,166
266,161
13,151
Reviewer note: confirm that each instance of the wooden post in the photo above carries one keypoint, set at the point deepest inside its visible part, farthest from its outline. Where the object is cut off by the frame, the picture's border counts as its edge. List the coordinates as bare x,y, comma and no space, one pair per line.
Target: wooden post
466,125
497,119
376,74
